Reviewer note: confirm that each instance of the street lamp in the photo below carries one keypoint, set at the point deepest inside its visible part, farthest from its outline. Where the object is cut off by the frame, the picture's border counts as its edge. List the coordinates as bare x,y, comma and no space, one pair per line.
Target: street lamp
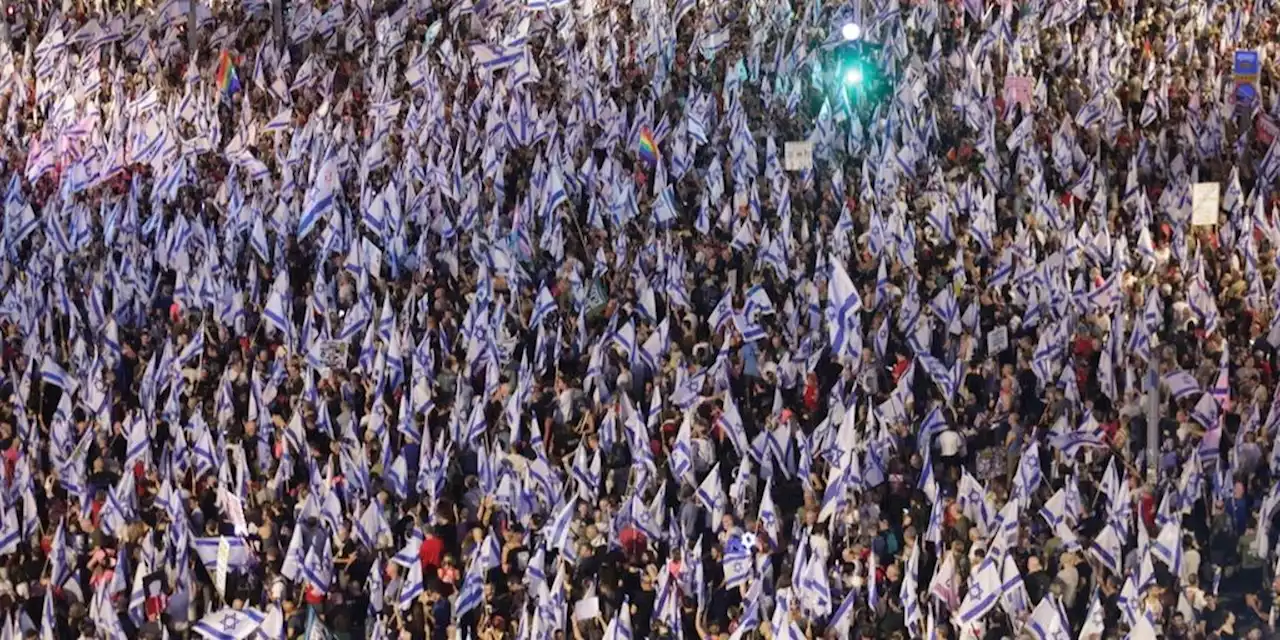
853,77
851,31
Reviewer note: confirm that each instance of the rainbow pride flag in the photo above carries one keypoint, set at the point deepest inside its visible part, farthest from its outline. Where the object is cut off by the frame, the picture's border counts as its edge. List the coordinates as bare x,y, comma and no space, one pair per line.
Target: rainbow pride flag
228,79
648,147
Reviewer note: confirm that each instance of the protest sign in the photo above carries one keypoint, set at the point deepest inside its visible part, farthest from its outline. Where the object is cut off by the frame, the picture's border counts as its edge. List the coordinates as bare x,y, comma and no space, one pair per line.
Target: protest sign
1245,69
1265,128
799,156
1204,204
586,609
997,341
597,296
334,354
1018,89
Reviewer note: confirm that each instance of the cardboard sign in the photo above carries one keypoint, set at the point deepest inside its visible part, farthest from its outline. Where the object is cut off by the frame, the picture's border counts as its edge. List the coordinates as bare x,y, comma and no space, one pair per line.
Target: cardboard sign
799,156
997,341
1204,204
1019,89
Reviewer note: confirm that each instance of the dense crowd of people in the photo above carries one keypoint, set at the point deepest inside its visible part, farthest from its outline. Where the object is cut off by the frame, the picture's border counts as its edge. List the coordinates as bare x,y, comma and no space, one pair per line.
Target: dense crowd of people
430,319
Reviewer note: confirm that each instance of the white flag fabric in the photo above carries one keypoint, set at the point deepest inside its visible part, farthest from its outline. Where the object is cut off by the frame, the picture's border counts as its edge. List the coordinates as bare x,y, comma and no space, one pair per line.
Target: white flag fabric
982,594
229,624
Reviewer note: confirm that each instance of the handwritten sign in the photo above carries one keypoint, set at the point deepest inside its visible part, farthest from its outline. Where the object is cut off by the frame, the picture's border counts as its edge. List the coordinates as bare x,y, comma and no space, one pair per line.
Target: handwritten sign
1204,204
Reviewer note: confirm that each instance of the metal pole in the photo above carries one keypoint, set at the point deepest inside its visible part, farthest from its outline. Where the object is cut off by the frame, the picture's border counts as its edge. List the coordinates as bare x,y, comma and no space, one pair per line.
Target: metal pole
277,22
193,40
1244,126
1153,425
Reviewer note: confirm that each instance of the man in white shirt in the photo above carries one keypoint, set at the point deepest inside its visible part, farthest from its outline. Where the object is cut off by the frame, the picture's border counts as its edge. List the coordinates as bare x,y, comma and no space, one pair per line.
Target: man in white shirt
950,443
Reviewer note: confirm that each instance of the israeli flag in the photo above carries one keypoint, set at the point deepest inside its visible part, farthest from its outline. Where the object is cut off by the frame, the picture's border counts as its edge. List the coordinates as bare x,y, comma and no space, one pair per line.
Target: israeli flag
495,57
240,556
544,306
53,373
230,624
412,586
984,592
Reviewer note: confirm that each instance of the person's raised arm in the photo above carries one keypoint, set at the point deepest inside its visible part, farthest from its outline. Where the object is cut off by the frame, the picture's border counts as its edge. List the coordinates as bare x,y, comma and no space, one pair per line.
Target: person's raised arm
698,625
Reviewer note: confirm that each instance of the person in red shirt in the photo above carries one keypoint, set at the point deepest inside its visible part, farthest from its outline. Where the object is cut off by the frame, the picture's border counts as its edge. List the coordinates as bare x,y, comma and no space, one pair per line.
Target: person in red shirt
312,596
1083,346
900,367
1147,507
430,553
811,392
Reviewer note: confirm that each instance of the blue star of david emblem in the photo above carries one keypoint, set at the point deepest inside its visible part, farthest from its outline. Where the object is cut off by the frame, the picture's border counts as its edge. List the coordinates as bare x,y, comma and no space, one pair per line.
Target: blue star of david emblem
230,622
975,591
734,546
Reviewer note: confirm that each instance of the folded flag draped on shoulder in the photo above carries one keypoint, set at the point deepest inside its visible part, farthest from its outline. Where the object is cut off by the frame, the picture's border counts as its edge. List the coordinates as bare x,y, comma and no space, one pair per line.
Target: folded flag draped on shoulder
228,79
648,147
